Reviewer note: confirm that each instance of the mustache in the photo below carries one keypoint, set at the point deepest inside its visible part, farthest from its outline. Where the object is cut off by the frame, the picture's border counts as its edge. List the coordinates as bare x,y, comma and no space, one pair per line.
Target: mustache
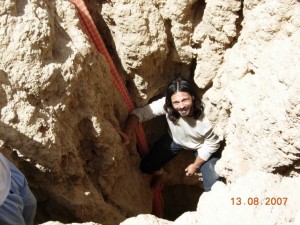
183,109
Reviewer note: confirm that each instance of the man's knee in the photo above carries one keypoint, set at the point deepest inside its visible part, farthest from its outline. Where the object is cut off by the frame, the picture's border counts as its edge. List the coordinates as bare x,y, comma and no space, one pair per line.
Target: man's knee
209,174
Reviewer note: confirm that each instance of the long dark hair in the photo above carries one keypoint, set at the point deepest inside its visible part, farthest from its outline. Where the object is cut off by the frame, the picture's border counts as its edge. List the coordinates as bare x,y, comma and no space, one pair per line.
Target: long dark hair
181,85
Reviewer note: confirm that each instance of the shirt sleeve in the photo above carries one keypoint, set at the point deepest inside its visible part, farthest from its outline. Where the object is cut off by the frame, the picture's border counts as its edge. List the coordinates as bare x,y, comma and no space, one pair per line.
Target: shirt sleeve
210,145
156,108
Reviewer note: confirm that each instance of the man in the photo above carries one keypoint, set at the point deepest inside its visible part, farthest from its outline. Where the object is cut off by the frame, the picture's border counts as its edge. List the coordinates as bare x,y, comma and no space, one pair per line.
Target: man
17,203
189,129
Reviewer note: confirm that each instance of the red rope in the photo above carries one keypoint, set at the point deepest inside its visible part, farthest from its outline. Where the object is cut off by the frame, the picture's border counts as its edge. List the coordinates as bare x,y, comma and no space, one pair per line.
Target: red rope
91,30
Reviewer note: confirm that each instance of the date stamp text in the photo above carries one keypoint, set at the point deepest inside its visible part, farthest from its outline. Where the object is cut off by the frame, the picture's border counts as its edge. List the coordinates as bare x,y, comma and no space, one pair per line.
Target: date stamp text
259,201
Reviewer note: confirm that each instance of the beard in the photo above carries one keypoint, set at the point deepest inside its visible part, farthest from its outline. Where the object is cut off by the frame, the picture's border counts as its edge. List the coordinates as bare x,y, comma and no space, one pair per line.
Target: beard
185,112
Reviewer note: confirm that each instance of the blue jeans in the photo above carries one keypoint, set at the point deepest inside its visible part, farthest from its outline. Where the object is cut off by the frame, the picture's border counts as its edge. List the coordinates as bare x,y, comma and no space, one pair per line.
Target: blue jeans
208,172
20,205
166,149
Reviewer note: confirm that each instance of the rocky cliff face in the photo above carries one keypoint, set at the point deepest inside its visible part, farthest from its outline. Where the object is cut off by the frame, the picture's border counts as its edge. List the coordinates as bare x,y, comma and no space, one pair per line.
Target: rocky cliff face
60,115
60,112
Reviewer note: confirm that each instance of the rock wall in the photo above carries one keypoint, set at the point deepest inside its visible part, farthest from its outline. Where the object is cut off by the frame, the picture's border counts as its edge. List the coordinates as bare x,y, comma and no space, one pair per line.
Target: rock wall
60,113
254,92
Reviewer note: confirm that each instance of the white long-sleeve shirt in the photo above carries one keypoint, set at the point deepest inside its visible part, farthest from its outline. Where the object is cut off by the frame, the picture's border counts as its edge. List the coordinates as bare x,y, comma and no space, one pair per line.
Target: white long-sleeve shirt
190,133
5,179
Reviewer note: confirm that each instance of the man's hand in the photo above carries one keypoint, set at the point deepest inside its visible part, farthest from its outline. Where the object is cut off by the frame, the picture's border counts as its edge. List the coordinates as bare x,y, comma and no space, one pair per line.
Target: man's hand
131,123
125,138
191,169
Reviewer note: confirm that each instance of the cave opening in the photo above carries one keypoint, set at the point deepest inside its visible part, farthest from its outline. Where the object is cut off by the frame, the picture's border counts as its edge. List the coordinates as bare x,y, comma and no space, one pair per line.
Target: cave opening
181,193
180,198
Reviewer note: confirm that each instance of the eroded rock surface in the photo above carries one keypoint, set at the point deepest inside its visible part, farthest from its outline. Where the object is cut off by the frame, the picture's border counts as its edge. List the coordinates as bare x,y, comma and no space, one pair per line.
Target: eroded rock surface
60,112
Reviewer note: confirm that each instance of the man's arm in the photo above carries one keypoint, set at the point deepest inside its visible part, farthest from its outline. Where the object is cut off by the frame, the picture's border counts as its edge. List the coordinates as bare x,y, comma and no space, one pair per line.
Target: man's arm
140,115
131,123
210,145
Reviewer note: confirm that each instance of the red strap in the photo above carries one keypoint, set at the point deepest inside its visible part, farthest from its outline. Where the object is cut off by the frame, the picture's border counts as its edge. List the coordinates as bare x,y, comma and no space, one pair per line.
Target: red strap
91,30
158,202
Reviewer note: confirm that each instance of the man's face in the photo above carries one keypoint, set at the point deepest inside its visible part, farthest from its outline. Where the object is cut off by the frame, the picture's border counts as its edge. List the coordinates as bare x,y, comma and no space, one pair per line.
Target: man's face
183,103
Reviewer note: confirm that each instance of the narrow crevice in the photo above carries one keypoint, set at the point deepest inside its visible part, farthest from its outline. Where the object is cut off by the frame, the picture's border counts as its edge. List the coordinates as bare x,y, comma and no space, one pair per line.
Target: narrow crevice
87,140
20,5
239,26
95,8
198,8
288,171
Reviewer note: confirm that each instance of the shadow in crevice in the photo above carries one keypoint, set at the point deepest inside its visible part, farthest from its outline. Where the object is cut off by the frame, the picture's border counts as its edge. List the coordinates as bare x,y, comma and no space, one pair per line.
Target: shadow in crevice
20,5
61,52
180,198
89,152
238,24
3,97
287,171
95,8
170,38
53,210
60,40
14,139
198,9
56,86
